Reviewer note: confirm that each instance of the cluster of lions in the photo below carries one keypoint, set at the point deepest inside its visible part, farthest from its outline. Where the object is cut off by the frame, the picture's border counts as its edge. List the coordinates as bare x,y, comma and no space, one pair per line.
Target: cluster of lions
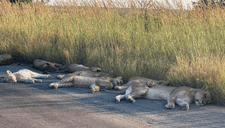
137,87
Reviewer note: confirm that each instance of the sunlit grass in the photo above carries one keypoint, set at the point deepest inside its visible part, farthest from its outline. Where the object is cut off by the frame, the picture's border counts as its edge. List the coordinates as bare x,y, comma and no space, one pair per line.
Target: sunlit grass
184,47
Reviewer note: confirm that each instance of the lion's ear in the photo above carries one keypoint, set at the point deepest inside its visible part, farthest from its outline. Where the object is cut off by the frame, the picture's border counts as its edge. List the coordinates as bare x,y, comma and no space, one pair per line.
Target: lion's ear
8,72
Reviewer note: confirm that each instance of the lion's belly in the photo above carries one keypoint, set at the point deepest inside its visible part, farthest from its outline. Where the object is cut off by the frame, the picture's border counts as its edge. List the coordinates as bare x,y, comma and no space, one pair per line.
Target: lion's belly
159,93
83,81
86,74
24,73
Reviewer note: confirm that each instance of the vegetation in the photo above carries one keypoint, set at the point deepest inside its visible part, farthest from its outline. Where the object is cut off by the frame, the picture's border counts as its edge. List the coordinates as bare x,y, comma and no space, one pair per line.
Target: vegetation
184,47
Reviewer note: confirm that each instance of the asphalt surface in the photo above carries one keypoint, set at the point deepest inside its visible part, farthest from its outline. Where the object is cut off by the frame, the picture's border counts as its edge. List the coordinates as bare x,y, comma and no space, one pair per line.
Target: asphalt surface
38,106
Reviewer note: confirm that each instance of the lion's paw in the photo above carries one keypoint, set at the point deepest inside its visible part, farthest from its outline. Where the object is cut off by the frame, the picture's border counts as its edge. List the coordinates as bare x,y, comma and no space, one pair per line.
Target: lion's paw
48,76
116,87
117,100
170,106
186,107
94,88
38,80
132,100
54,85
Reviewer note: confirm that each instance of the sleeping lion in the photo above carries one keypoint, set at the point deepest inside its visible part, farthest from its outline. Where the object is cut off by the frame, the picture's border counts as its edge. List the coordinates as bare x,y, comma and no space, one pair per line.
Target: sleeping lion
150,82
24,75
79,67
46,66
181,96
89,73
83,81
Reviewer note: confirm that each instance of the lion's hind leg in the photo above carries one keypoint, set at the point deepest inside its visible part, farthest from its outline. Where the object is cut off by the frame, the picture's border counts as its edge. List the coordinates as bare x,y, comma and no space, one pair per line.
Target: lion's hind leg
60,77
30,80
123,87
42,76
67,82
120,97
60,85
38,75
130,98
135,94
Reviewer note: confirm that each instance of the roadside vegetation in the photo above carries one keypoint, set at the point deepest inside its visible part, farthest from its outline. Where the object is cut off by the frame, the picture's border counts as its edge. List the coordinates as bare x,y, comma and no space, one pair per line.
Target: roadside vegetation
184,47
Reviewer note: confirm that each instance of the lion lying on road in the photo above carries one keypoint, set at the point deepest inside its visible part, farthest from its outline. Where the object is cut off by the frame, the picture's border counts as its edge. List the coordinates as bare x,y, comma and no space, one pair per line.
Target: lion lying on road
179,95
82,81
89,73
24,75
46,66
149,82
5,59
79,67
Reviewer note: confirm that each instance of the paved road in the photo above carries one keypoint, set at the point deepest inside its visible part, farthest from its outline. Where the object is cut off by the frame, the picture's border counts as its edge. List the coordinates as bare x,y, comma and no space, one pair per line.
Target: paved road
38,106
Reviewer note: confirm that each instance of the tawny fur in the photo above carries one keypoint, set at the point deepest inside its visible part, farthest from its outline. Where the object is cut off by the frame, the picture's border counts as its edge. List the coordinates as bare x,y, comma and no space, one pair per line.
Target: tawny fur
182,96
79,67
46,66
88,73
83,81
149,82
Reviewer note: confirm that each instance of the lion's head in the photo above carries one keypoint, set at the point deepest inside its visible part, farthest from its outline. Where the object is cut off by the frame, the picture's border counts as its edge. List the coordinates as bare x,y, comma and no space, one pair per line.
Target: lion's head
50,67
118,81
202,98
10,77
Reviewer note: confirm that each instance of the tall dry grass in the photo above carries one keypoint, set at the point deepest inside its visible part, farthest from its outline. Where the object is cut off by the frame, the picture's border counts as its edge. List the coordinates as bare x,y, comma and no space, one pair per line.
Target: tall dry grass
184,47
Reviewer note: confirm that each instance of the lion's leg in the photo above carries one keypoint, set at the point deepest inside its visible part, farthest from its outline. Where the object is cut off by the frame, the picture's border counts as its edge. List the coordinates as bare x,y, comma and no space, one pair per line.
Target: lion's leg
60,85
30,80
67,82
125,86
94,88
60,77
120,97
130,97
135,94
39,76
170,102
104,84
183,104
43,76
